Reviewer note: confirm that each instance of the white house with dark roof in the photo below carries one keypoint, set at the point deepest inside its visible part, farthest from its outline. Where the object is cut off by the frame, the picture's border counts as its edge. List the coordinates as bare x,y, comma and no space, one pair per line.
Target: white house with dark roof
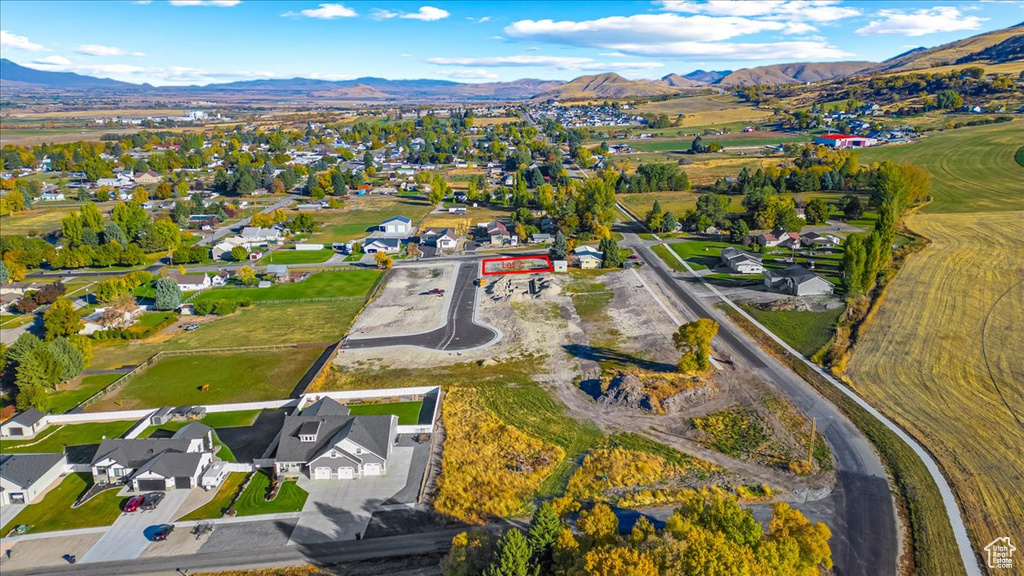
442,238
24,425
325,442
24,477
797,281
190,282
148,464
741,261
386,245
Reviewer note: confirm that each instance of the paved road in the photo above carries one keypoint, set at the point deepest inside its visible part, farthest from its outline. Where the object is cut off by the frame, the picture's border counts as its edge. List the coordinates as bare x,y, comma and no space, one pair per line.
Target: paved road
460,332
320,554
864,533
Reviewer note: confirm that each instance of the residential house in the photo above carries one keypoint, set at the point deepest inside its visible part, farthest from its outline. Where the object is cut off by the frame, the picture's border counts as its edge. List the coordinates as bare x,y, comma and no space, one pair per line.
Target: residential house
541,238
190,282
398,226
19,288
25,424
458,210
220,278
787,239
844,141
325,442
589,257
797,281
386,245
496,232
222,249
147,178
51,197
741,261
24,477
765,239
441,238
148,464
819,240
254,236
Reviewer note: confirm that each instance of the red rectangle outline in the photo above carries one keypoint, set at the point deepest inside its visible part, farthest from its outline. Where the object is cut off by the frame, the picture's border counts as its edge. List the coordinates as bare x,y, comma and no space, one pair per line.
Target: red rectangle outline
550,266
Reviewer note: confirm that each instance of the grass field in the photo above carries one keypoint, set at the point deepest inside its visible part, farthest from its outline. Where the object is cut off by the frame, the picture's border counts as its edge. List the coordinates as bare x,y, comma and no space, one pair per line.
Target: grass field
360,214
341,284
234,377
39,219
702,110
407,412
213,420
954,312
805,330
54,438
252,500
75,393
54,511
700,254
225,494
298,256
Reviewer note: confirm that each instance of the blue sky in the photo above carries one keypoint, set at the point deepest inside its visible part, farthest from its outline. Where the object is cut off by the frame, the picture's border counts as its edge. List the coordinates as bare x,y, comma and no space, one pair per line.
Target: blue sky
201,41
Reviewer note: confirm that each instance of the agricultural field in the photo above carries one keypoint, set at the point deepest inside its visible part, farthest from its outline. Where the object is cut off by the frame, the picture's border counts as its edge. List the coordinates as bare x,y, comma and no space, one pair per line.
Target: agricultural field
362,213
714,109
40,219
230,377
678,202
955,309
77,391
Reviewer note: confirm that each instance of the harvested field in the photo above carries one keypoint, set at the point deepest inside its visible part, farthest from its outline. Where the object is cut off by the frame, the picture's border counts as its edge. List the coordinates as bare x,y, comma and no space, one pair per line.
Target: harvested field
404,305
701,110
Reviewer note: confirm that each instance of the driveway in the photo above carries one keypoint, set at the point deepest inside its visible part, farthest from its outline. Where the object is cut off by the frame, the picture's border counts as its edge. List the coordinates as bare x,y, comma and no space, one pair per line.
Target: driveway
337,510
126,539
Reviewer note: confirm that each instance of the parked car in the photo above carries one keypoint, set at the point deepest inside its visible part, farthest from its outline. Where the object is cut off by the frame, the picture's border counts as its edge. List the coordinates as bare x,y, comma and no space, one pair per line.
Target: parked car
436,292
152,500
133,504
163,532
191,327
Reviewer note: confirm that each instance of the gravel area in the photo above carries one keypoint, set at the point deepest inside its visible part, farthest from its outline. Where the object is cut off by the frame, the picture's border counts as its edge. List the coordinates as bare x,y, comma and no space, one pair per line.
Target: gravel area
248,535
45,551
404,305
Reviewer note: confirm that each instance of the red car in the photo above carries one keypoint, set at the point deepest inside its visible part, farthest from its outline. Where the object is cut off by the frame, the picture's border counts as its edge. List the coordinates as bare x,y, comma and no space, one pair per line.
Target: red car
133,504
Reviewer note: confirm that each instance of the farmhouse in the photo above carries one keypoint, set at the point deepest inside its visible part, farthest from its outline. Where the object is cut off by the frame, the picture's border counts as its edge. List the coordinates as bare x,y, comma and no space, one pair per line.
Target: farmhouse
819,240
23,477
325,442
741,261
155,463
797,281
25,425
843,141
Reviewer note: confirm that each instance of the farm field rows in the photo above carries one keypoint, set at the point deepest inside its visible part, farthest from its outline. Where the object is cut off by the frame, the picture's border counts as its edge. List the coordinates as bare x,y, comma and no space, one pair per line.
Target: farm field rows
942,355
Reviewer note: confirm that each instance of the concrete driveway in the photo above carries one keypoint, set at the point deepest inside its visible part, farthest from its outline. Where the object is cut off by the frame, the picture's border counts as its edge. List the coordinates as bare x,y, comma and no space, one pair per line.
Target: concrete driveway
337,510
126,539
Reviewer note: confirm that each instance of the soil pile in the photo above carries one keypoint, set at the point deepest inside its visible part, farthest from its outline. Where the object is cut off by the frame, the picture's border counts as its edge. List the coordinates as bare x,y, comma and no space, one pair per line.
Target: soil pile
658,393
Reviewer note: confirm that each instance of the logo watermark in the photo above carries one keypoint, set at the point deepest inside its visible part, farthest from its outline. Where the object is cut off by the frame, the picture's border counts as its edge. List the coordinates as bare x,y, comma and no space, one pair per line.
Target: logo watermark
1000,553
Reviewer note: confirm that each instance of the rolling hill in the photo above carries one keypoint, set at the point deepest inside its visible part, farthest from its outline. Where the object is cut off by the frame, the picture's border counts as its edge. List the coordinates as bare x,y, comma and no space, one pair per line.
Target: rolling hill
677,81
707,76
798,73
15,76
991,47
608,85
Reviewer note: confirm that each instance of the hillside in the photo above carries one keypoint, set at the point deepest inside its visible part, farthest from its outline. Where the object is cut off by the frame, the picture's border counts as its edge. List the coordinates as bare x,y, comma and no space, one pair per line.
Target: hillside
798,73
15,76
677,81
605,86
707,76
991,47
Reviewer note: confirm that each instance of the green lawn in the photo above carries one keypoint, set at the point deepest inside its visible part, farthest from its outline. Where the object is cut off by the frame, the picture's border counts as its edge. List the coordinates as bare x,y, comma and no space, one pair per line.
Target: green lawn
407,412
663,252
297,256
54,440
340,284
252,501
232,377
973,169
225,494
362,214
214,420
700,254
74,394
807,331
54,511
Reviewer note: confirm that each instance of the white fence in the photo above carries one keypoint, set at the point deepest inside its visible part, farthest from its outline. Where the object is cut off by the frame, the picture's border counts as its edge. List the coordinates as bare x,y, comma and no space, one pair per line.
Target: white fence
244,406
138,428
238,467
305,247
98,416
378,393
415,428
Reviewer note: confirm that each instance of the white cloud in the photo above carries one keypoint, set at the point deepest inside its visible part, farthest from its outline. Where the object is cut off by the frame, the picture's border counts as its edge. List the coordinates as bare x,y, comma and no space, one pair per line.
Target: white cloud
425,13
101,50
170,75
13,41
812,10
52,61
219,3
672,35
480,20
324,12
921,22
469,74
559,62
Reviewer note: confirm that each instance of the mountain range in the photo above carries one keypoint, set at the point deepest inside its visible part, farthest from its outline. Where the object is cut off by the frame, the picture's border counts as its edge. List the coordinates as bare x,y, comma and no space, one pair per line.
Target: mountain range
999,46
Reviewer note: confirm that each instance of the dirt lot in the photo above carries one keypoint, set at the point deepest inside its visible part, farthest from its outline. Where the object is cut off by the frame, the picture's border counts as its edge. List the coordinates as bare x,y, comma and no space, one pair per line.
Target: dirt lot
44,552
405,306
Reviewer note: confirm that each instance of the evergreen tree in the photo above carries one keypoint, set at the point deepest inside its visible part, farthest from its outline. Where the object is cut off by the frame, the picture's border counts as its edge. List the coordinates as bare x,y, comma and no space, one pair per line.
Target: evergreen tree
558,248
669,223
113,233
512,557
544,529
167,295
5,276
610,257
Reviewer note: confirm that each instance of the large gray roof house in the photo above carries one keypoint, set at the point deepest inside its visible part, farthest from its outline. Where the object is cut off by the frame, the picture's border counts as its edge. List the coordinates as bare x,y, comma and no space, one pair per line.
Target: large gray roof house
156,463
326,442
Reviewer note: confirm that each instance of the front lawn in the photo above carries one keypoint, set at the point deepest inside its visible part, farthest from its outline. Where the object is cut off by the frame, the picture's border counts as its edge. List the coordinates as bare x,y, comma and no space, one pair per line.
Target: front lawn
215,508
54,511
407,412
70,395
252,501
340,284
805,330
297,256
701,254
54,439
231,377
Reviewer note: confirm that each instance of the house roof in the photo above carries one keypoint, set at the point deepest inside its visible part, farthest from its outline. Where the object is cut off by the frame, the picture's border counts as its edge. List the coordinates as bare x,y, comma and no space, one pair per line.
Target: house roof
169,464
326,406
256,232
402,219
374,433
136,452
277,269
28,418
797,273
730,254
186,278
389,242
24,469
192,430
581,250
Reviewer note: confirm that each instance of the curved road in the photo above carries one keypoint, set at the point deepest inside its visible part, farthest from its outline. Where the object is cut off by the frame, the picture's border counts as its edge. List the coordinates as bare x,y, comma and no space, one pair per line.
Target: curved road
864,537
460,332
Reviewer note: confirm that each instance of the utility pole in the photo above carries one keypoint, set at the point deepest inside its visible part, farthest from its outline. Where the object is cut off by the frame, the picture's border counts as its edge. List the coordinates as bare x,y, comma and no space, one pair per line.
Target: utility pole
810,451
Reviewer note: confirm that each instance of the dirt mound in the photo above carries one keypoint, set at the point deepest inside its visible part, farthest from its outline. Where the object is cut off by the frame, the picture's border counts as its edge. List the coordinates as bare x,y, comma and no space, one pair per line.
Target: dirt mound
659,393
521,288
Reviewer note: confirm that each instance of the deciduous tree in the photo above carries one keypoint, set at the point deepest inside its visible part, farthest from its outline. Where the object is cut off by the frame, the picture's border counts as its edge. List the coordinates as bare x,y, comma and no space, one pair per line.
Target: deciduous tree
61,319
693,339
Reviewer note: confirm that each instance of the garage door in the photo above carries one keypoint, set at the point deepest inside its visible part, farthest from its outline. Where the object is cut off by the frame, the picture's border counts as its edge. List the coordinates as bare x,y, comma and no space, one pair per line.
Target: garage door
371,470
150,485
346,473
182,482
322,473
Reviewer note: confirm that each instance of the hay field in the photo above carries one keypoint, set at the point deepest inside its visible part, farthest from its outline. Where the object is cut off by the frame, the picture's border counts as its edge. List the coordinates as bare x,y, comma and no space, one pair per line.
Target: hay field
716,109
943,354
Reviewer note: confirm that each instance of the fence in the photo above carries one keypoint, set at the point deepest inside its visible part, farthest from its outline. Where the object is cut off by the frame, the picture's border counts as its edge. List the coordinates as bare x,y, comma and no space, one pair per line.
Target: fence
142,425
377,393
82,417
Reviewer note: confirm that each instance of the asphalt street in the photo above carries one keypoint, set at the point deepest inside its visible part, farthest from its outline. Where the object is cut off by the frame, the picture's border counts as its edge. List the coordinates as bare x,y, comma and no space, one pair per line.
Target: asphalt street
460,332
864,541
